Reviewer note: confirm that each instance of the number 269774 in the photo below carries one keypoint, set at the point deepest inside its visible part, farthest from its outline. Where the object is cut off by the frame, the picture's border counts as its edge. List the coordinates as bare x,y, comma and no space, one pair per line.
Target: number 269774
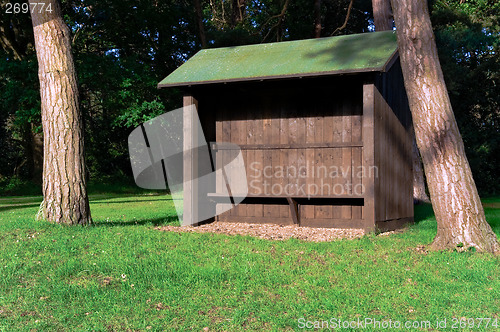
33,7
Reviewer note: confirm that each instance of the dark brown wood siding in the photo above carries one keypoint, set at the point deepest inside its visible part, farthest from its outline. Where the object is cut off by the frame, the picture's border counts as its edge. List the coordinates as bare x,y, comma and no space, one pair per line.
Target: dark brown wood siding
302,141
394,184
308,140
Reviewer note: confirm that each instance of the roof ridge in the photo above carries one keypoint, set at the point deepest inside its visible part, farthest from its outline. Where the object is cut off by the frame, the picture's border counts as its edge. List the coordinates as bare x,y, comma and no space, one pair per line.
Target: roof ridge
356,53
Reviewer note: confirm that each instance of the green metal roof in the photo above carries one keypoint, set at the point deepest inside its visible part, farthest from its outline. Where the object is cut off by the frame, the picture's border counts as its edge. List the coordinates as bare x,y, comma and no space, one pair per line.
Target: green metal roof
364,52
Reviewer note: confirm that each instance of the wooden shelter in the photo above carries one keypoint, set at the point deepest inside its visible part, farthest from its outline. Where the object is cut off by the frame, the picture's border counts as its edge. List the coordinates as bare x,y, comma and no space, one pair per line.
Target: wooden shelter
323,126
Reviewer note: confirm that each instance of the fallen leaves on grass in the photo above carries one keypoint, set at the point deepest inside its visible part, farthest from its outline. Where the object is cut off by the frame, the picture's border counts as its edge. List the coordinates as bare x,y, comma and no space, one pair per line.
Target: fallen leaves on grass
105,281
421,249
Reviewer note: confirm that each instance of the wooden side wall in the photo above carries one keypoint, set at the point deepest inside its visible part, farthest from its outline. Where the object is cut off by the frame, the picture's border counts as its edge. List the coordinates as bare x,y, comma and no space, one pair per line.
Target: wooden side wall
314,129
393,146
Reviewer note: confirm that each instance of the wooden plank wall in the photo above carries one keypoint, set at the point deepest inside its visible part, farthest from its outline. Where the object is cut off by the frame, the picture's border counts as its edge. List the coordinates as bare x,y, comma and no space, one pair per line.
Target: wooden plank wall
310,132
190,166
393,146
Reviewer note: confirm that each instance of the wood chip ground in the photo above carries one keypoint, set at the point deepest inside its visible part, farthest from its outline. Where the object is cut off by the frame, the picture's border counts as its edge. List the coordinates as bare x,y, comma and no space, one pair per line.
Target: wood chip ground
270,231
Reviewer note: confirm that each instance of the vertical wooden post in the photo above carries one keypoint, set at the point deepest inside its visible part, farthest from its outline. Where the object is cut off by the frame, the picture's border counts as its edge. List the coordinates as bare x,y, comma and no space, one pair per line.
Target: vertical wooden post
369,156
294,210
190,165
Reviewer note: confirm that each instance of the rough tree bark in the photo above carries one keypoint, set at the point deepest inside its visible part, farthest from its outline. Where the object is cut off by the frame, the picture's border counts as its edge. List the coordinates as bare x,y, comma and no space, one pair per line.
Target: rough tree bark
382,15
37,155
455,200
201,27
317,19
32,143
419,194
238,12
64,185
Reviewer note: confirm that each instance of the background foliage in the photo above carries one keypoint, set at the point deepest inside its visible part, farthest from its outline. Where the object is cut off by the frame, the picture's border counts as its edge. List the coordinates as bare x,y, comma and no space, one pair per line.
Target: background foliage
122,49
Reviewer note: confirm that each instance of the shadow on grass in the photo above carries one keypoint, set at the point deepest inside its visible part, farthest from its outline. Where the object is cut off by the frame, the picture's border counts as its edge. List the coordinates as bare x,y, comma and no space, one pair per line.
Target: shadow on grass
173,220
492,212
18,206
132,201
423,212
98,198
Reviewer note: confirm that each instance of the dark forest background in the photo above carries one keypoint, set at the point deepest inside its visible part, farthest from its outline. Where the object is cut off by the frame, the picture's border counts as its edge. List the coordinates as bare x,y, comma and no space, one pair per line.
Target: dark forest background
122,49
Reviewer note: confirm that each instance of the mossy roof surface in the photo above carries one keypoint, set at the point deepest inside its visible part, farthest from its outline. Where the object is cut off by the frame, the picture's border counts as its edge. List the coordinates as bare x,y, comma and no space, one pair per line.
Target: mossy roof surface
363,52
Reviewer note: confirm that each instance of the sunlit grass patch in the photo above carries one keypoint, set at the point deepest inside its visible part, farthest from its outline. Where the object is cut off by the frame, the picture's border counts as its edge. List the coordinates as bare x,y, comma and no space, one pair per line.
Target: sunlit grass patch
121,273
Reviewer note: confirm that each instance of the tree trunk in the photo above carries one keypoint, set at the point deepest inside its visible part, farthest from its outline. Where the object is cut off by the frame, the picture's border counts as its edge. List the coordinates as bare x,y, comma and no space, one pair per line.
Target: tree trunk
64,185
13,36
419,194
455,200
37,155
382,14
237,12
32,143
15,39
201,27
317,18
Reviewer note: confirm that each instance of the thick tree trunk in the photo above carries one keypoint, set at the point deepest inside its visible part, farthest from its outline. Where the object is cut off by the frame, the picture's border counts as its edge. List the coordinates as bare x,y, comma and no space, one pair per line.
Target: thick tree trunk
382,14
37,155
237,12
317,18
201,27
419,194
64,185
455,200
13,38
32,143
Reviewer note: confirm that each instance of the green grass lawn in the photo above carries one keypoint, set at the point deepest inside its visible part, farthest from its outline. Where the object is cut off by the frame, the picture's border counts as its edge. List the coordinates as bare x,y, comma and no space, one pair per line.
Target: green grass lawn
122,274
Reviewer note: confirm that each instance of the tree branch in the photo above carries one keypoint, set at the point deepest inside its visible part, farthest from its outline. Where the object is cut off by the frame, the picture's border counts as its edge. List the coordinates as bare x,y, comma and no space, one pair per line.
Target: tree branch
346,19
279,16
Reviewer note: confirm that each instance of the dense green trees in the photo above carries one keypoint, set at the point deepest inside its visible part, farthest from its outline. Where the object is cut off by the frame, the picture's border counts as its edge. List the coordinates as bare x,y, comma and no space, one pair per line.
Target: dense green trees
123,48
468,39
